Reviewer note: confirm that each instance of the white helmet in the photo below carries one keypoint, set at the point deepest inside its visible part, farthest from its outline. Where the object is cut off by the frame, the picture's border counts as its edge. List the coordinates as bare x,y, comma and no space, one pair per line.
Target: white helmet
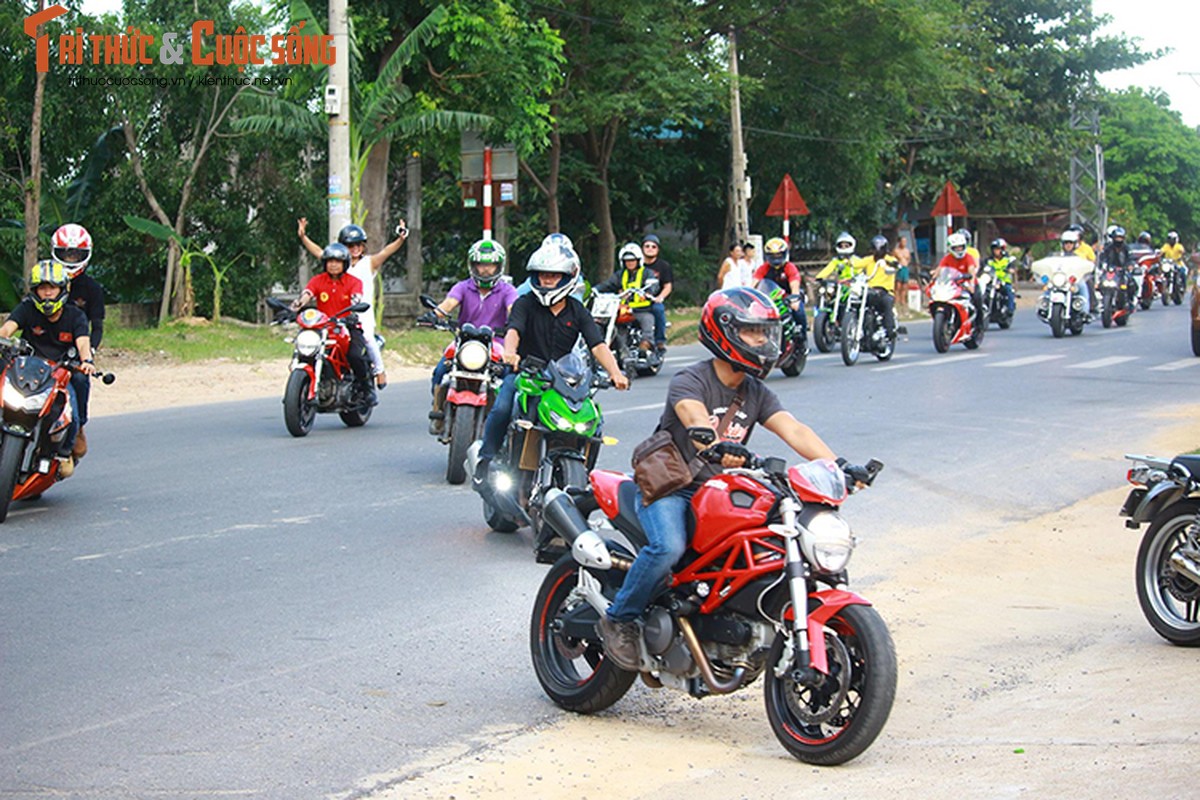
558,239
557,259
629,250
957,244
845,244
1070,236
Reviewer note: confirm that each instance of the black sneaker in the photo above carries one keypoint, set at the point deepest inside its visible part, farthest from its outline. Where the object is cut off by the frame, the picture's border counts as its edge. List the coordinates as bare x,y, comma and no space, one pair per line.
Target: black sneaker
620,641
437,422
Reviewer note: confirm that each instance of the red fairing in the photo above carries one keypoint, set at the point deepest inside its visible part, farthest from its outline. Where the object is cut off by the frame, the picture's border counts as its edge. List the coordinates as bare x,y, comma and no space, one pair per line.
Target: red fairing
809,492
605,485
449,352
726,504
830,602
497,350
465,397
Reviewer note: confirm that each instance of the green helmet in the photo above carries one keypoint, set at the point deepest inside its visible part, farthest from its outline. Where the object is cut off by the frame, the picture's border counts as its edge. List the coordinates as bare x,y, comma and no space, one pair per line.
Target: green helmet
485,251
54,274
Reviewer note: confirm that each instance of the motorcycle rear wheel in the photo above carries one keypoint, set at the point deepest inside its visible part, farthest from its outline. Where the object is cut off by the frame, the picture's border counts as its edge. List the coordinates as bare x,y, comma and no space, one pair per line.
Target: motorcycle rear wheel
1170,601
574,673
796,363
298,411
834,722
462,433
1145,301
355,417
12,448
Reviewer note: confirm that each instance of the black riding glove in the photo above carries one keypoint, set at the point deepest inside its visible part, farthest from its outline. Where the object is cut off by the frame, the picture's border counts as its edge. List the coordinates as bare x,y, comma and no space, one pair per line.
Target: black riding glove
735,449
428,318
855,473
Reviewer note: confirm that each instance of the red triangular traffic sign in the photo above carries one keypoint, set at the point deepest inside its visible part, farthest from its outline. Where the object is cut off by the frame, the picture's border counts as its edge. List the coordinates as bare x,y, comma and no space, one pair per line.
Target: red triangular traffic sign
948,203
787,201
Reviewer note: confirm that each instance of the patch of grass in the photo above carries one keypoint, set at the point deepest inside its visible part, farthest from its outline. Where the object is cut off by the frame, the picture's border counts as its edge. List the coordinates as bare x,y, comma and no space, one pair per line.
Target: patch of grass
200,341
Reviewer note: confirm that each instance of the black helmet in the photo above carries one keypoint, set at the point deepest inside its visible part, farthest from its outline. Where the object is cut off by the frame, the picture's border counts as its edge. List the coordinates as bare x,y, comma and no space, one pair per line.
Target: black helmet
1144,238
879,245
1118,234
352,234
336,252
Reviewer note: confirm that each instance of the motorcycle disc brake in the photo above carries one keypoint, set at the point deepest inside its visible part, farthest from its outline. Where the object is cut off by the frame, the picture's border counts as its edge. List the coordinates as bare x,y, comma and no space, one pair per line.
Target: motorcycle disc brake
823,700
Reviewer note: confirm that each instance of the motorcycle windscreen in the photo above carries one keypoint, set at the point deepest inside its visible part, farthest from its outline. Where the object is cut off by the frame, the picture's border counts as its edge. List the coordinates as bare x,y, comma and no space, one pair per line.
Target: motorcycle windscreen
1075,267
818,481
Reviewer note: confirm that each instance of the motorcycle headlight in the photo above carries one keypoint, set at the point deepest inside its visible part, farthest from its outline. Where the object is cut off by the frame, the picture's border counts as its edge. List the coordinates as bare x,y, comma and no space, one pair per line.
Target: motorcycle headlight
827,542
1059,280
942,293
308,343
473,355
561,422
19,402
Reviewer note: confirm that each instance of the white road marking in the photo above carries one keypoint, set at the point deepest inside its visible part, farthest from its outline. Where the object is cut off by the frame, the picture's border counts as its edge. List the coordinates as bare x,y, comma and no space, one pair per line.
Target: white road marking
615,411
1100,363
1024,362
1182,363
932,362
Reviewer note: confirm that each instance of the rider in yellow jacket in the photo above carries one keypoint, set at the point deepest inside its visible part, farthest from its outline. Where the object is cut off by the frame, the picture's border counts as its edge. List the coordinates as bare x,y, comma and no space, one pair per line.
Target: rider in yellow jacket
1172,249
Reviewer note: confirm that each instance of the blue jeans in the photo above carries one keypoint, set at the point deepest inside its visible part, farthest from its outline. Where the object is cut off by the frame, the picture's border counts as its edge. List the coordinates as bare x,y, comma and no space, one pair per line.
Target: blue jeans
68,442
1010,297
439,372
82,384
665,523
499,417
660,322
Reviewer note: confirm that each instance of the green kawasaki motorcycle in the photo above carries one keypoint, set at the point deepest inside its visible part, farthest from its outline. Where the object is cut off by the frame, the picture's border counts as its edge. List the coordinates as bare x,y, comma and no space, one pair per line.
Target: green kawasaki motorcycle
552,442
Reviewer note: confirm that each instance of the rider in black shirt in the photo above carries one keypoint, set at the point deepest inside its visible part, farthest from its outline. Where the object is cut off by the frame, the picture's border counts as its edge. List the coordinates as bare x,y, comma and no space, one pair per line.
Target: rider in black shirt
71,246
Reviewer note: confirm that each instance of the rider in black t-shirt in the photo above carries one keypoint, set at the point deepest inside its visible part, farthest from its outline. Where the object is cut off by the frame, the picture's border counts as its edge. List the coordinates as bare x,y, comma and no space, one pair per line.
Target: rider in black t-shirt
71,246
545,324
53,327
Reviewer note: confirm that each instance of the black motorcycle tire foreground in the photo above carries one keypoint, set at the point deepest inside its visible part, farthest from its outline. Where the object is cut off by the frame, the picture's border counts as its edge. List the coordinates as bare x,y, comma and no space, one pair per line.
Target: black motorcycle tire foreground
27,451
1166,494
819,718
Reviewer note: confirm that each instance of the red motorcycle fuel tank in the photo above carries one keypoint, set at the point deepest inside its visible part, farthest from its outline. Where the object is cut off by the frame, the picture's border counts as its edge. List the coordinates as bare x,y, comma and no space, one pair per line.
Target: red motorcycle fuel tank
726,504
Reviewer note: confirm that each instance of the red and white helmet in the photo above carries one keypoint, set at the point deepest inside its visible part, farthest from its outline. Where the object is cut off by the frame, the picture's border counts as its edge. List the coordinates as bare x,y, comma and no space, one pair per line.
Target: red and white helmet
722,320
71,246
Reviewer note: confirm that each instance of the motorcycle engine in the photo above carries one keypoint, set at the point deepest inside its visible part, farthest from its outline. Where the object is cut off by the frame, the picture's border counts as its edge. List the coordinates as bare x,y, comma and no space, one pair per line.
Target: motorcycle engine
665,641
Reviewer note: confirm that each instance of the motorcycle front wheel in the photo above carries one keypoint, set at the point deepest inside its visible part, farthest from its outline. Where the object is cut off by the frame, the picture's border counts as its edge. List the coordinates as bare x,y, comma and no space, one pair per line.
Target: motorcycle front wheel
1106,313
569,661
1057,325
823,336
942,334
298,411
851,339
12,448
462,433
1170,601
834,719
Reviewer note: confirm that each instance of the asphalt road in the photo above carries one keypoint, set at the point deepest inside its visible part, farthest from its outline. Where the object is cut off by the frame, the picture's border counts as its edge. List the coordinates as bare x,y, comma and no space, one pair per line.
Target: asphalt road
213,608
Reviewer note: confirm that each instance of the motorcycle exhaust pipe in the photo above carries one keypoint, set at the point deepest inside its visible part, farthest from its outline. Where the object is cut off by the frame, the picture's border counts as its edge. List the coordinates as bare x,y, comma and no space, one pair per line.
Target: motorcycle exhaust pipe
587,548
715,684
1185,566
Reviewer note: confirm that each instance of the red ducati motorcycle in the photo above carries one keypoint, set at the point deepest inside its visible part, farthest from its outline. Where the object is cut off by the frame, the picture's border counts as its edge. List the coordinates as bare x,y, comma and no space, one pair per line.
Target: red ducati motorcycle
36,416
321,379
953,312
476,359
761,592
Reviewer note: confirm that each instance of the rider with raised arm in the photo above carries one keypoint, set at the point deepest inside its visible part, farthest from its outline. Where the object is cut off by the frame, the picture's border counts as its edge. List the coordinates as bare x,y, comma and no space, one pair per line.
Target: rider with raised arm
741,328
481,299
543,324
335,290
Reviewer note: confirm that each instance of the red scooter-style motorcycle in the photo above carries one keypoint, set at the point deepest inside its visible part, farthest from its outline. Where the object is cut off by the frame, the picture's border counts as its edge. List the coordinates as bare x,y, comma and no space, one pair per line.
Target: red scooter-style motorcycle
36,415
761,592
321,379
476,359
953,312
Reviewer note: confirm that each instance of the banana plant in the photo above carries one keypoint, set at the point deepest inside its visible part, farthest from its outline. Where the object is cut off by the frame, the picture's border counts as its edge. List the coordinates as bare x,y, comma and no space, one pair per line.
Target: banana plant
190,252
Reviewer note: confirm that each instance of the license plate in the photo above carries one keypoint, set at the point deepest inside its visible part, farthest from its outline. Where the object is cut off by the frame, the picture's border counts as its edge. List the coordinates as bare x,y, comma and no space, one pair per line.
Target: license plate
1058,297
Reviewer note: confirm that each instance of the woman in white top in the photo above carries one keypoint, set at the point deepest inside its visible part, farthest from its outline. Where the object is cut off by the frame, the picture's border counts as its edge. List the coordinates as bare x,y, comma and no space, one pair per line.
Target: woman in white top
365,268
732,268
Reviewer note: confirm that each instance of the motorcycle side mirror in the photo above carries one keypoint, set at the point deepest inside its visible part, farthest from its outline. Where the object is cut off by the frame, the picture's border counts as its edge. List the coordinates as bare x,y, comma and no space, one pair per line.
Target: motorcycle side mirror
108,378
774,466
359,308
428,301
702,435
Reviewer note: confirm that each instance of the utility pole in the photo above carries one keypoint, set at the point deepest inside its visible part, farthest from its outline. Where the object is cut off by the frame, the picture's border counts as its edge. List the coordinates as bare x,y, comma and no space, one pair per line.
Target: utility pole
337,106
739,194
1088,204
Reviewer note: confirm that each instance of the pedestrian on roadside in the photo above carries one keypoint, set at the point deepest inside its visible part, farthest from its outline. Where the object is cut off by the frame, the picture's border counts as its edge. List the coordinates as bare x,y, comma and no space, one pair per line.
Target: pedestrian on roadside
903,256
733,271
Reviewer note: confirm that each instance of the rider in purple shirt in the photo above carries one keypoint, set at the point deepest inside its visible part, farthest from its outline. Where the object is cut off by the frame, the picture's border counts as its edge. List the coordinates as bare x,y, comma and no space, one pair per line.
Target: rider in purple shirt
482,299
